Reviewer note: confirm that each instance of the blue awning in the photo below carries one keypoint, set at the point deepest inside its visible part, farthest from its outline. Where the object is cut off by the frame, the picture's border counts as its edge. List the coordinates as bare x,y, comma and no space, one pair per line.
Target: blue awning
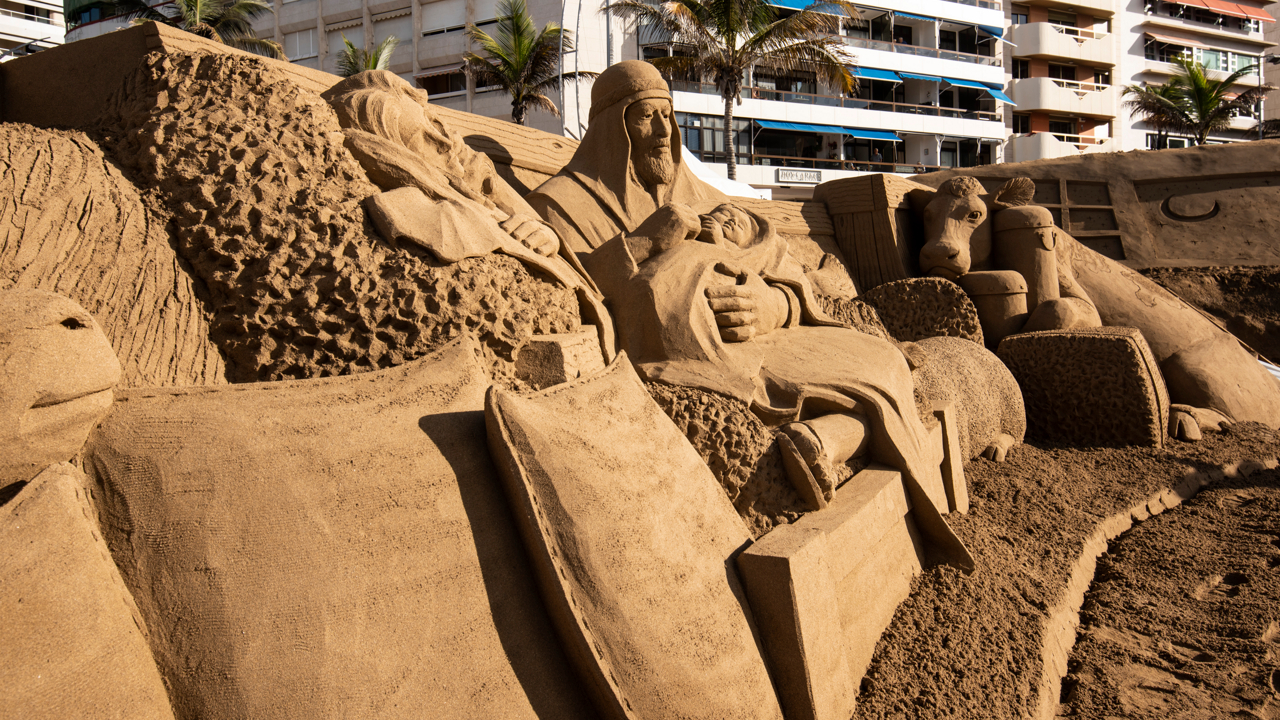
991,30
872,134
834,129
918,76
916,17
995,93
873,74
802,127
967,83
999,95
819,6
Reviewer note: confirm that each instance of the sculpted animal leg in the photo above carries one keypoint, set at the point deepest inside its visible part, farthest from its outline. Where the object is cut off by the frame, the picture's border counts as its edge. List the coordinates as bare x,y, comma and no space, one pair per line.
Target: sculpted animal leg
998,450
1064,313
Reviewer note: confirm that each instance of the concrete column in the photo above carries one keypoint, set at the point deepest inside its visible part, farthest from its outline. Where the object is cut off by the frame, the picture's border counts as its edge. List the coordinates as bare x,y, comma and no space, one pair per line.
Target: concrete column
368,25
416,9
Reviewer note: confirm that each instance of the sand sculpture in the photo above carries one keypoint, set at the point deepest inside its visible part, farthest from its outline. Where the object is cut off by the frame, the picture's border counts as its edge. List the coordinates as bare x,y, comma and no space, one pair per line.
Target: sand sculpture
1027,275
376,517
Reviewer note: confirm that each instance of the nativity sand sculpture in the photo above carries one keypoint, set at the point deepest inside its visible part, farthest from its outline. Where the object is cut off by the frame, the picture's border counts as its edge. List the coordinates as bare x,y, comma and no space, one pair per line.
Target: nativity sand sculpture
379,516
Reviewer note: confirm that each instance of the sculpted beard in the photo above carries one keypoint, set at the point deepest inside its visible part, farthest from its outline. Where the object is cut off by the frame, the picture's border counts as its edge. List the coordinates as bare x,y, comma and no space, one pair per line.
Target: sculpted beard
655,166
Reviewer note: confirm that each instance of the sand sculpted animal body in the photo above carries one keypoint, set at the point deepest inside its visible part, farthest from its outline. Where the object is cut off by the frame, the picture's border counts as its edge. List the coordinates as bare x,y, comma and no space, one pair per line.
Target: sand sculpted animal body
971,236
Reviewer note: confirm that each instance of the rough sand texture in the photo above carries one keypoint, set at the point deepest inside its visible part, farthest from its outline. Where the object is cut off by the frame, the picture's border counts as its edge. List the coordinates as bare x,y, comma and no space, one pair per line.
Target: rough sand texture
741,452
266,206
70,223
971,646
1089,386
1245,300
987,399
856,312
1183,619
918,308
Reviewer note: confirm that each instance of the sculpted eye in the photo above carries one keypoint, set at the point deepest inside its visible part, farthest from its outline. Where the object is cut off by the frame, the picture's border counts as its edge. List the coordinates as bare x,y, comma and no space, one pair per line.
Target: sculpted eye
975,215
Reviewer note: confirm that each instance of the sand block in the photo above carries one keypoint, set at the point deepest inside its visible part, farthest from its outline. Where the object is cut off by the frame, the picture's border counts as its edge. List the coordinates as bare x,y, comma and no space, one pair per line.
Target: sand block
794,602
547,360
953,458
329,548
633,541
1093,387
824,589
919,308
71,642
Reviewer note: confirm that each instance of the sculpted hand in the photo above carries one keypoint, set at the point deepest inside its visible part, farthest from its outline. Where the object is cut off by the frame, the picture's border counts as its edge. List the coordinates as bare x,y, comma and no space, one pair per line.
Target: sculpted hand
670,225
532,233
747,310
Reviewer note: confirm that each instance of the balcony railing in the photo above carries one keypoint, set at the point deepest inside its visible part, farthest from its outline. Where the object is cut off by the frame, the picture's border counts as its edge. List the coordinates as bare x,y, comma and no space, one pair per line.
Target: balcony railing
787,161
1076,85
1079,139
1084,33
835,101
921,51
24,16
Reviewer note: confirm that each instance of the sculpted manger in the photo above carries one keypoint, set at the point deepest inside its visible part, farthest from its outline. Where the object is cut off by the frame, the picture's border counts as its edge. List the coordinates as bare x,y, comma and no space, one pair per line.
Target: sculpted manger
622,447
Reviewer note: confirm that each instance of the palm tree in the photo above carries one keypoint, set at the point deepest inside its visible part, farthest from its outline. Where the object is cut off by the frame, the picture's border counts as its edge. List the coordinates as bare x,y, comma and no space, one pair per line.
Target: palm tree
229,22
726,38
1158,106
1270,128
521,60
354,60
1192,102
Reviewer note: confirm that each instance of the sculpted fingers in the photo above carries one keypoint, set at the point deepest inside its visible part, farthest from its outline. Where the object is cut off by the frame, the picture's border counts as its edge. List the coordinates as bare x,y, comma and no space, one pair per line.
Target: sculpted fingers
738,334
731,303
735,319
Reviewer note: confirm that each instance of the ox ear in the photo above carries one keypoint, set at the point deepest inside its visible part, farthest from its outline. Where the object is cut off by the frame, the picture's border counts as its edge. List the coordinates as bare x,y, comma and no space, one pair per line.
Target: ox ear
1014,193
919,198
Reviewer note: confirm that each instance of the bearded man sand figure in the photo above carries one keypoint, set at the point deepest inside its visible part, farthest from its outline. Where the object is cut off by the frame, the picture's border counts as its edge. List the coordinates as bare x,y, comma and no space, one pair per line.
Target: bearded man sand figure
626,167
832,391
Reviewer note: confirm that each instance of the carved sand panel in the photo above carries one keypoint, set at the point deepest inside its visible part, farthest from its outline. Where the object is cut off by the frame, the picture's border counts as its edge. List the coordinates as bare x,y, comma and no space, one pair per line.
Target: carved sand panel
330,548
633,543
1090,387
70,223
72,644
267,204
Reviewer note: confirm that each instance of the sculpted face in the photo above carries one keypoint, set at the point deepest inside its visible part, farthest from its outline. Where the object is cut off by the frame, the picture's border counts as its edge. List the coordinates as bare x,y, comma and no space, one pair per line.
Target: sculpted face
649,129
728,223
56,374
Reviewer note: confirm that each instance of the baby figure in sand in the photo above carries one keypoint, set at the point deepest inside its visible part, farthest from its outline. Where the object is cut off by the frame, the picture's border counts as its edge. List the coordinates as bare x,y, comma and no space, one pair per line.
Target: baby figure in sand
714,301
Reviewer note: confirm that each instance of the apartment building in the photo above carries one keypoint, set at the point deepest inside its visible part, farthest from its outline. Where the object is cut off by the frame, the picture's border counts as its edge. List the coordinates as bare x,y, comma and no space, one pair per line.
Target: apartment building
941,83
1271,31
29,26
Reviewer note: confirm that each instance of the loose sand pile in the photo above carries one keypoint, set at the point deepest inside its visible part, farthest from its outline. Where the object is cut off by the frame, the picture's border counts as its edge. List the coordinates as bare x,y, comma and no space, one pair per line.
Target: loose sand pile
970,646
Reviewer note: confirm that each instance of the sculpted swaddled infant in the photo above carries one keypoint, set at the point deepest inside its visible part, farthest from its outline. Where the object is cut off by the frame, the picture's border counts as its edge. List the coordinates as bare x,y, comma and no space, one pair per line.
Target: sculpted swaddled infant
715,302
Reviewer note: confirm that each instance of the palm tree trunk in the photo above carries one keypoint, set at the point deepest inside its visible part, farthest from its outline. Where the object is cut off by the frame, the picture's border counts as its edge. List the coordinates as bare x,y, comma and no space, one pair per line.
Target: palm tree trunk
731,157
517,112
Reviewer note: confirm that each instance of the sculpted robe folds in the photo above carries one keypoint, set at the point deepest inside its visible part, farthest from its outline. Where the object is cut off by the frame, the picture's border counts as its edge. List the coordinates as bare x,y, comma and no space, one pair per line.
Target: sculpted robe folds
812,366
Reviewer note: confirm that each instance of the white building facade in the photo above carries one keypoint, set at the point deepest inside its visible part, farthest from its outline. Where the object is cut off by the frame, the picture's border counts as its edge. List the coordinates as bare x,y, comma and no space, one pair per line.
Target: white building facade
942,83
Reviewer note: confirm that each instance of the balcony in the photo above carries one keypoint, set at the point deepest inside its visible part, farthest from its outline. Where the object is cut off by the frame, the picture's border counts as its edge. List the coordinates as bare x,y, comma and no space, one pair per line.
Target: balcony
918,51
839,102
1041,146
1064,97
1046,40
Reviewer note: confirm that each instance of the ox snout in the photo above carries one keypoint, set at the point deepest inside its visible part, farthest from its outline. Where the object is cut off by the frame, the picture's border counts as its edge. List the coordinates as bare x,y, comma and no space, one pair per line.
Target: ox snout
945,259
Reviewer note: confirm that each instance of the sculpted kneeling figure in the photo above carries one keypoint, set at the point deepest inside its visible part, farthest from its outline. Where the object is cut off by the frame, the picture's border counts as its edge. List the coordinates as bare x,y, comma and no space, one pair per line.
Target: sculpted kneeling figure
715,302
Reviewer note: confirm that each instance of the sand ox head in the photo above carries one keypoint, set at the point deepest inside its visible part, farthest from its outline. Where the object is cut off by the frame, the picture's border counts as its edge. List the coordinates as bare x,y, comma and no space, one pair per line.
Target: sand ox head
957,227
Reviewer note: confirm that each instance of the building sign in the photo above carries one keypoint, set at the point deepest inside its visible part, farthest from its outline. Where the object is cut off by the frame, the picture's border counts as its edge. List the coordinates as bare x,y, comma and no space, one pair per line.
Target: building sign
798,176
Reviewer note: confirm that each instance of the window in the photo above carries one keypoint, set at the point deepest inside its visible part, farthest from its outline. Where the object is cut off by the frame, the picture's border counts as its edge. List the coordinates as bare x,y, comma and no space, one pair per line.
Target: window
1065,19
1021,69
947,40
442,15
1211,59
1157,142
1062,72
1020,14
1021,124
443,83
1062,125
300,45
91,15
35,11
949,154
1101,77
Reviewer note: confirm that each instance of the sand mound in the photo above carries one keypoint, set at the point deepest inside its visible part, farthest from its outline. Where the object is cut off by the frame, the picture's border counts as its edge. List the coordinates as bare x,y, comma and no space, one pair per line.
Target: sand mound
970,646
1244,300
70,223
266,206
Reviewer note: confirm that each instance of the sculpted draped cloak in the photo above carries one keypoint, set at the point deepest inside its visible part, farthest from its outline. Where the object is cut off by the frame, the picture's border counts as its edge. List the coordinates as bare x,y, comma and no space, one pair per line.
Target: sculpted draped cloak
812,366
